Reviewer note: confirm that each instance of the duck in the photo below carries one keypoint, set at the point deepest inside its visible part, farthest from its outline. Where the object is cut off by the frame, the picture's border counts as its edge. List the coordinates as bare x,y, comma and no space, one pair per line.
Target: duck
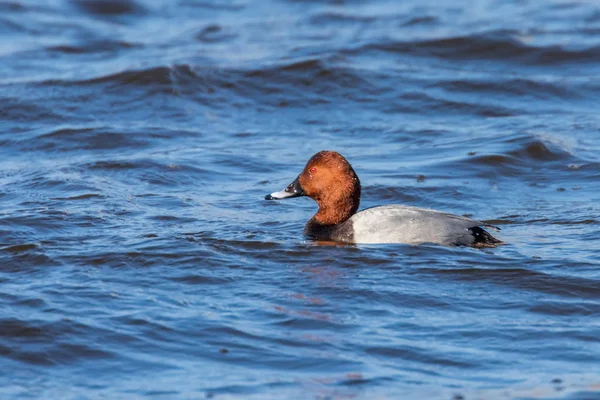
329,179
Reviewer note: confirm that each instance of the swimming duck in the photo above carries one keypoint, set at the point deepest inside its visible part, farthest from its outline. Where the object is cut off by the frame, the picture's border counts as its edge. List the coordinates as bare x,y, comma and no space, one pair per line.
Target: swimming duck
329,179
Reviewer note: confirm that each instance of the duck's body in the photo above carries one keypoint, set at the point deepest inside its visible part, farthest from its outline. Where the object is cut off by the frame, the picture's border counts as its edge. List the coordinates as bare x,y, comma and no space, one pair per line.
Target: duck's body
329,179
396,223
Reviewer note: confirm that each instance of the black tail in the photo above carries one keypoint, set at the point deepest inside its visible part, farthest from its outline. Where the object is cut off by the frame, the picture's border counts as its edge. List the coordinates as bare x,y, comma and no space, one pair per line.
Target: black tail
483,238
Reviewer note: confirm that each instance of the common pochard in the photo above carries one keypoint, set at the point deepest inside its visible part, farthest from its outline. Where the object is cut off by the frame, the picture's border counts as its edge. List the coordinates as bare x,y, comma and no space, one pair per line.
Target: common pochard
329,179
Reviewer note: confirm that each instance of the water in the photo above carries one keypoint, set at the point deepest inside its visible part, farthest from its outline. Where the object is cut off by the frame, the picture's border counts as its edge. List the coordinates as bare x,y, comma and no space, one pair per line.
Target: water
139,259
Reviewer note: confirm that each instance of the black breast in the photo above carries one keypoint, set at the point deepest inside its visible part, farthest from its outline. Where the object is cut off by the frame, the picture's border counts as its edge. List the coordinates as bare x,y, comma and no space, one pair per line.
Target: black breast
339,233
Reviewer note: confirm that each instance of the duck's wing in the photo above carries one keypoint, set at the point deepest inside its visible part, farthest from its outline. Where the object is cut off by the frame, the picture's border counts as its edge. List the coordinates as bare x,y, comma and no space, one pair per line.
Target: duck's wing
414,225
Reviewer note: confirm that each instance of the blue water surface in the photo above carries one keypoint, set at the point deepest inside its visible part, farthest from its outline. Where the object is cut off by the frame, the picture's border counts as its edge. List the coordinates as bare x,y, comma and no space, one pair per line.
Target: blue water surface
139,260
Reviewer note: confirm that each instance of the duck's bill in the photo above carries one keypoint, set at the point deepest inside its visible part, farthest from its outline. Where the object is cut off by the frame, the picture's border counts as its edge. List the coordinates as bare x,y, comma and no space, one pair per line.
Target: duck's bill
292,190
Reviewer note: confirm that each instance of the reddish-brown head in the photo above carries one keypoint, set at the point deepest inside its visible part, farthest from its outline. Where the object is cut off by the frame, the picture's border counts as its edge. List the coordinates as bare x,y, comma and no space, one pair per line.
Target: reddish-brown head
329,179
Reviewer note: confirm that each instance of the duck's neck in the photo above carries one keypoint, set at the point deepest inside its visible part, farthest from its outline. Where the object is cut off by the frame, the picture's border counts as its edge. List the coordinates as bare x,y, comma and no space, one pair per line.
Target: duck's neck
334,211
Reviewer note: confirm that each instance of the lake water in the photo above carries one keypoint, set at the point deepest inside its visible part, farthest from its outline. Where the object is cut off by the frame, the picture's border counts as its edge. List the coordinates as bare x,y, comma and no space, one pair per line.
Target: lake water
139,260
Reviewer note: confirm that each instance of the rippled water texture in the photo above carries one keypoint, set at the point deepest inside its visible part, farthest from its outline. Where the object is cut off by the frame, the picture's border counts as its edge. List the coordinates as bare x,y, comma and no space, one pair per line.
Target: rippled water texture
138,258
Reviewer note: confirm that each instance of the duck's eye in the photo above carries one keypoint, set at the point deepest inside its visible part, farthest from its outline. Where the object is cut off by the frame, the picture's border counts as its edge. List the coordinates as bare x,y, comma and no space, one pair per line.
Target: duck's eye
312,170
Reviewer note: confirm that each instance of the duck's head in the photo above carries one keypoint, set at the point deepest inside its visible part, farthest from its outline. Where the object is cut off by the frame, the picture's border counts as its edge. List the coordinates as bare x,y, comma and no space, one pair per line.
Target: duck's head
329,179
